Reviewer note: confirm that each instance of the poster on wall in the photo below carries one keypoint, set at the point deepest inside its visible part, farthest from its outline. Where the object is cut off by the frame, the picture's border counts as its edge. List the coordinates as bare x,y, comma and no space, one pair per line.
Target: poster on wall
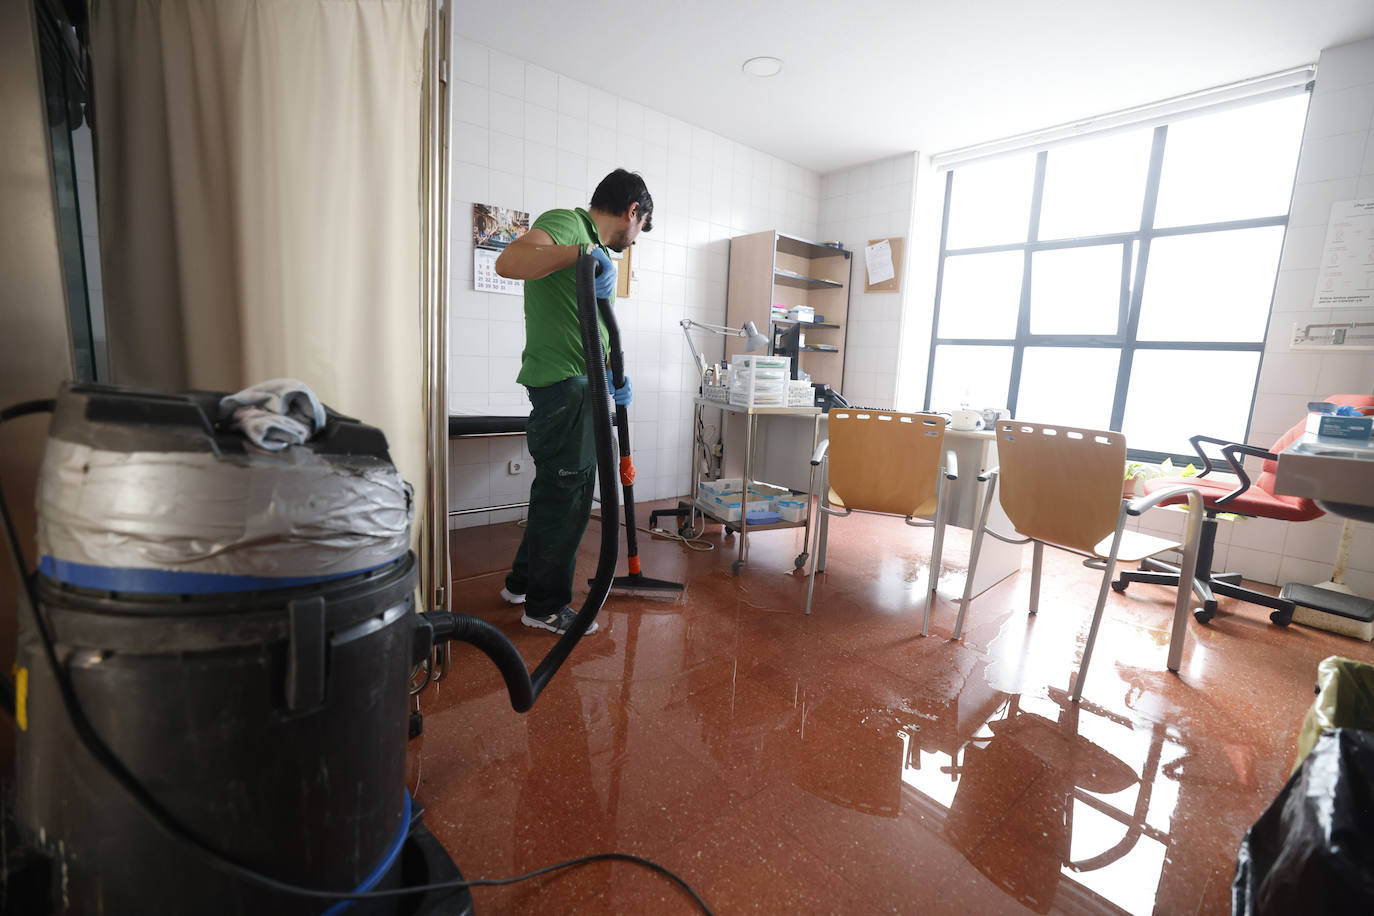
493,228
1346,277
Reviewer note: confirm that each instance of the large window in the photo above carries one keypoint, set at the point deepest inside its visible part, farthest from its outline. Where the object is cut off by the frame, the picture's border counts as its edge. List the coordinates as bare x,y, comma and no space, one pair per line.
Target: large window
1122,281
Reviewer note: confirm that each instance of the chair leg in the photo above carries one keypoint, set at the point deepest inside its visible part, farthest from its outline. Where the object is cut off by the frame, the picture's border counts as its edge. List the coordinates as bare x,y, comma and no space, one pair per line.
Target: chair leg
1101,605
815,562
822,524
815,552
1037,555
937,547
980,527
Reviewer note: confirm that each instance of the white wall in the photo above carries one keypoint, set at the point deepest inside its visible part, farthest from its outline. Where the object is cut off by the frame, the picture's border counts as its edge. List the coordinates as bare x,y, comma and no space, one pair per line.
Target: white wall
531,139
860,204
1336,163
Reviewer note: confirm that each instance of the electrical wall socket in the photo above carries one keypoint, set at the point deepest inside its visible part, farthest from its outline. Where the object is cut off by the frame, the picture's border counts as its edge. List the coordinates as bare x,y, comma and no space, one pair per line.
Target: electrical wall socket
515,467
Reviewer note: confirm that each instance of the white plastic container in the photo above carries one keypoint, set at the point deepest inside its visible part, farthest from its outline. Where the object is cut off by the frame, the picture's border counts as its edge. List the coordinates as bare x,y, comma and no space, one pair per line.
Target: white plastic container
758,380
728,508
792,510
768,491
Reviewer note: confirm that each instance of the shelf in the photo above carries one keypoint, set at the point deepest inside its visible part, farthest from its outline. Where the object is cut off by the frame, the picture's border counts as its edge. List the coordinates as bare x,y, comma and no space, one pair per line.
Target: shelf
788,278
809,324
820,348
801,248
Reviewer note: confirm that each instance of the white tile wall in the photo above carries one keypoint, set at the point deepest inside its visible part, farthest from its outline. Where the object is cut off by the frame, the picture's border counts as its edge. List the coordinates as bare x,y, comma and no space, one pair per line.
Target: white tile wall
1336,163
859,204
528,138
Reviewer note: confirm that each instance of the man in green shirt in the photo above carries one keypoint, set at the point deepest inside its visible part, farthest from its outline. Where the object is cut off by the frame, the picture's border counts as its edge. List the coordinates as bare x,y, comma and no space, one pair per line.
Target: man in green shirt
560,433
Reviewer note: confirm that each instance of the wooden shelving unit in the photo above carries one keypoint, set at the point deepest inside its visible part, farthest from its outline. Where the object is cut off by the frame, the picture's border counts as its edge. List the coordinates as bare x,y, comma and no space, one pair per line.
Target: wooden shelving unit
768,267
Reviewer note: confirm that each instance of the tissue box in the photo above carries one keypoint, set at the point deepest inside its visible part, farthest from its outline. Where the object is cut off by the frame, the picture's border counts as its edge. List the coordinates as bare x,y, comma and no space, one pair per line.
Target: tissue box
804,313
709,489
1334,427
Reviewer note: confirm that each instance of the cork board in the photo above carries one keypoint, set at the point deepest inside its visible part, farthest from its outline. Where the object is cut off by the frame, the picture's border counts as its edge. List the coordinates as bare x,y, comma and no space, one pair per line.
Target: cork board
895,284
623,272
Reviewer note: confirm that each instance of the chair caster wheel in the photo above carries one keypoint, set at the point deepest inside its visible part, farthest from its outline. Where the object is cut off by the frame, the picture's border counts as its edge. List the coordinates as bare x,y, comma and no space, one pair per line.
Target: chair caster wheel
1280,618
685,532
1119,586
800,561
1203,615
737,566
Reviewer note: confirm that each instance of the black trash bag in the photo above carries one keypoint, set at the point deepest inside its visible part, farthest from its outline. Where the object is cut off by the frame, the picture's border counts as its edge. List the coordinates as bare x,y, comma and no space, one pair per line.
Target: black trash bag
1312,851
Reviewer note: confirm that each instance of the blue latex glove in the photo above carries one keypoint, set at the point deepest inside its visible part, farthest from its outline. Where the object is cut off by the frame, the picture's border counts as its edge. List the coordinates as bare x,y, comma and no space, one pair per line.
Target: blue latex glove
605,278
622,394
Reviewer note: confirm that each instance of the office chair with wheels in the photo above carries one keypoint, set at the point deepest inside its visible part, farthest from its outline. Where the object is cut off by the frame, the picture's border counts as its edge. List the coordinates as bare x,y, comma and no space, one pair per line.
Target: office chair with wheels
1256,499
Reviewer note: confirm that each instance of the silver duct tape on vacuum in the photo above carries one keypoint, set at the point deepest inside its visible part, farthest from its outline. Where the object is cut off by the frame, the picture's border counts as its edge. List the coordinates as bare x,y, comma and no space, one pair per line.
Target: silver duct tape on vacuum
284,516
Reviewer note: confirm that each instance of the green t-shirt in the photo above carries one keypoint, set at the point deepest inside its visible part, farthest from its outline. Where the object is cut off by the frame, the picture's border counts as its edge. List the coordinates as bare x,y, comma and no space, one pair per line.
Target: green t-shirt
553,341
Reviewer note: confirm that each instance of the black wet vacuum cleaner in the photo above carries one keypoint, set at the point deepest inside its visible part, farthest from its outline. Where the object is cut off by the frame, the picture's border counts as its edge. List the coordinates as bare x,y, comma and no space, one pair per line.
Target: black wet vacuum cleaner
634,582
213,665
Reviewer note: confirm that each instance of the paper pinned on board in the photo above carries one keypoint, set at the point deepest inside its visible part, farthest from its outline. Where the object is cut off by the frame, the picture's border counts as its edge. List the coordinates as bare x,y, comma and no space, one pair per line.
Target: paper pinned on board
879,260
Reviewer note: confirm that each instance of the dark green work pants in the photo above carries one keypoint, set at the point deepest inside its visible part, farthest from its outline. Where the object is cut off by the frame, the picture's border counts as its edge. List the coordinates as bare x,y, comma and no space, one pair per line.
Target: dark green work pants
562,441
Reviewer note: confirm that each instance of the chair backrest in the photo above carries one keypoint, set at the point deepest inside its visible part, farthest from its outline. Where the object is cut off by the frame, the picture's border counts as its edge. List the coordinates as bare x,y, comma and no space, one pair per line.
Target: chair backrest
1060,484
1270,469
884,461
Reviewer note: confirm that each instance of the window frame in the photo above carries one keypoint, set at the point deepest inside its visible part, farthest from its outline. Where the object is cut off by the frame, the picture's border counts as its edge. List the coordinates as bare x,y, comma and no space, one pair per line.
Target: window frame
1135,244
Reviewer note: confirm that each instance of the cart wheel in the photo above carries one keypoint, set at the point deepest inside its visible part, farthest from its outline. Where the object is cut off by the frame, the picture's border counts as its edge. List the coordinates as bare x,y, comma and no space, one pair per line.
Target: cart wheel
685,532
800,561
737,567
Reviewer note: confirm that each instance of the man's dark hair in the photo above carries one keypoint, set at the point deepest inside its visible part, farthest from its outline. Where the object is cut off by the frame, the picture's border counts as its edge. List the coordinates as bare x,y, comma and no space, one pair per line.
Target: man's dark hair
620,189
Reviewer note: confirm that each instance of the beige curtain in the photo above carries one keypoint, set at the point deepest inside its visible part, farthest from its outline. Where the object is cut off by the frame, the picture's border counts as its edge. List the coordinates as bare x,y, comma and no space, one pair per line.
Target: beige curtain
259,176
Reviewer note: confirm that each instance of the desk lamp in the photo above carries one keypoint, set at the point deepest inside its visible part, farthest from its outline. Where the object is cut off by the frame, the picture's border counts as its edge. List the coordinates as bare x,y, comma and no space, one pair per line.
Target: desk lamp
753,340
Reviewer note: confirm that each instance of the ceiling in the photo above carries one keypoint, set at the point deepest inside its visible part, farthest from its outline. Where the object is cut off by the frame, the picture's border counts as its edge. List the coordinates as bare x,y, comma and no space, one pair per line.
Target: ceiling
873,78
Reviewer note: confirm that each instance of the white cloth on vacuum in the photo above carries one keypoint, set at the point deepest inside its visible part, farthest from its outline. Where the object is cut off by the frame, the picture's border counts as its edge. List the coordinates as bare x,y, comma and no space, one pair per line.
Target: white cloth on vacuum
275,413
268,430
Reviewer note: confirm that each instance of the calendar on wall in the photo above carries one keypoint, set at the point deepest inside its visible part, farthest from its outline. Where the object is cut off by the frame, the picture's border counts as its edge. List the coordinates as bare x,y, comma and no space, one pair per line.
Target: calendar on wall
493,228
485,279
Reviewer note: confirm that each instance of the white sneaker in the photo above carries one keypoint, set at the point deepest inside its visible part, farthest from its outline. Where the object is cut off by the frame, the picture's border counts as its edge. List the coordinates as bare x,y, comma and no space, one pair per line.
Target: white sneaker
511,597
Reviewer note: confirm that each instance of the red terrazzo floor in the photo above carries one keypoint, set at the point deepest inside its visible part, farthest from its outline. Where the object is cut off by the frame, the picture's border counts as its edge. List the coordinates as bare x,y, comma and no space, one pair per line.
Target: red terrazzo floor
841,762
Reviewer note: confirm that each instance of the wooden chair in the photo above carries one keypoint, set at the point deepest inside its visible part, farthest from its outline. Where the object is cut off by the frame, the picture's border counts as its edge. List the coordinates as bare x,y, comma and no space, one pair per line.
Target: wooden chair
1063,487
888,463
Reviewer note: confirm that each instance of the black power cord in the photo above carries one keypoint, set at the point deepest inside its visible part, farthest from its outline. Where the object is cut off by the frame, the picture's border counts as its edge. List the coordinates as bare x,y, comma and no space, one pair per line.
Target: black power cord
163,819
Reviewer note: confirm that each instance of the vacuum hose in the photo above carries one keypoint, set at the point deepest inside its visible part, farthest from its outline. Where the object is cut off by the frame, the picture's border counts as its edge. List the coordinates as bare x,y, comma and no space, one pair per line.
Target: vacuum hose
438,626
622,425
